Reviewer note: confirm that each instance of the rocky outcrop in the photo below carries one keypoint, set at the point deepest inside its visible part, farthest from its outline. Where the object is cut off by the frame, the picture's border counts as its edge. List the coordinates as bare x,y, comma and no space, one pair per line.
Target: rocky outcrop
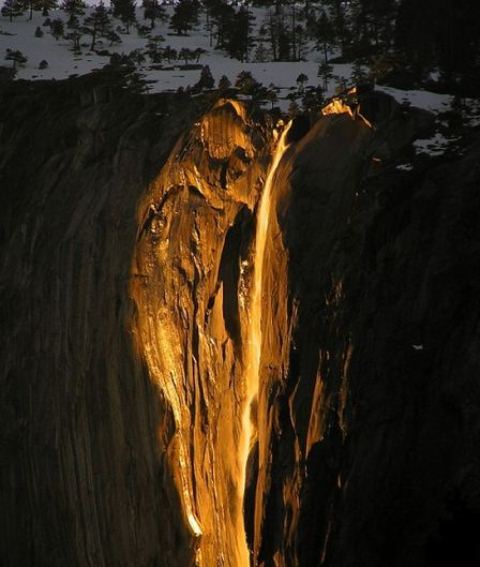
128,228
190,292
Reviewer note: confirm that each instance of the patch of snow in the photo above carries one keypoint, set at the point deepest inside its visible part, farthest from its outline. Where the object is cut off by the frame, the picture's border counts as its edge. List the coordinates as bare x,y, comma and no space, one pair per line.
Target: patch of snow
20,34
427,100
62,62
434,146
404,167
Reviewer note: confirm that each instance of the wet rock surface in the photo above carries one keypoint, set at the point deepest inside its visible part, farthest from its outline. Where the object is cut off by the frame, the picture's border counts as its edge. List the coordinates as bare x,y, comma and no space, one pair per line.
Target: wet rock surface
127,256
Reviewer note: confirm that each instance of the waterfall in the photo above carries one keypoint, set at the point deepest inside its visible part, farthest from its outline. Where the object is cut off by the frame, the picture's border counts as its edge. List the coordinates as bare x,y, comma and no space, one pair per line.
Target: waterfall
254,339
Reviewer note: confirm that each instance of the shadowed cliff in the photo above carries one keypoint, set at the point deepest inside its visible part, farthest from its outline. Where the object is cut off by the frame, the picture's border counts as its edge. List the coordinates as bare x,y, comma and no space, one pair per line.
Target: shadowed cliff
128,227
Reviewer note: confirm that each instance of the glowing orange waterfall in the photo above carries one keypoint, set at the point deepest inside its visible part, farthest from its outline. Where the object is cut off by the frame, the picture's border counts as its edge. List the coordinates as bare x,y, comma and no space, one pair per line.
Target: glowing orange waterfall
254,339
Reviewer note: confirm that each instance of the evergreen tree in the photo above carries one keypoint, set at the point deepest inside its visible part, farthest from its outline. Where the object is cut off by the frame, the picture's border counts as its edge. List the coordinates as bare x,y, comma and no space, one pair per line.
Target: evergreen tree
12,9
57,28
97,24
271,95
359,76
185,16
153,11
339,21
261,53
223,20
16,57
74,9
186,54
46,5
280,34
154,50
206,80
301,80
325,71
112,37
237,34
324,34
124,10
246,84
29,5
210,7
74,35
199,51
371,26
293,109
169,53
224,83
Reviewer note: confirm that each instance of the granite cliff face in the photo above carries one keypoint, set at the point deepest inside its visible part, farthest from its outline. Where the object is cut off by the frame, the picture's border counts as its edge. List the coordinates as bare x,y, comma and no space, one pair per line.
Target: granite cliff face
133,432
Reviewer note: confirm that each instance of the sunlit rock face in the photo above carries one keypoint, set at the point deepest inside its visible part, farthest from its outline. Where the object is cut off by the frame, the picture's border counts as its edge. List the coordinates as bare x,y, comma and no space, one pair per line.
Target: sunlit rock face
190,283
130,433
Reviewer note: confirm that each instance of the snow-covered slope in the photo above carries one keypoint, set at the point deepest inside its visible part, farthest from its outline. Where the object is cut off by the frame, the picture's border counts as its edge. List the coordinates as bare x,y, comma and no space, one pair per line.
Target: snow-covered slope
62,62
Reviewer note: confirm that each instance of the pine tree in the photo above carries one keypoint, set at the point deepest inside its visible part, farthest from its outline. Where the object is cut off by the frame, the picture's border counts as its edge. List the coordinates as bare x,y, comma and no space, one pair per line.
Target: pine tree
199,51
16,57
223,20
186,54
45,6
372,25
280,35
224,83
293,109
12,9
29,5
97,24
238,40
246,84
125,11
153,11
184,17
74,9
301,80
169,53
57,28
261,53
271,95
339,21
210,7
206,80
358,77
325,71
324,34
153,48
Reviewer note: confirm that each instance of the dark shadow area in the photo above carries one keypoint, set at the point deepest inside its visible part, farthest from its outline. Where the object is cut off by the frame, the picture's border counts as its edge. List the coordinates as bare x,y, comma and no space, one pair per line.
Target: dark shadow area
83,480
229,273
456,541
299,127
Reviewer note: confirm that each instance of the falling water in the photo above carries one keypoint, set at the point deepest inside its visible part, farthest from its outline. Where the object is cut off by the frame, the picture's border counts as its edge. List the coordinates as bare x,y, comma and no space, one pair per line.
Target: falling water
254,343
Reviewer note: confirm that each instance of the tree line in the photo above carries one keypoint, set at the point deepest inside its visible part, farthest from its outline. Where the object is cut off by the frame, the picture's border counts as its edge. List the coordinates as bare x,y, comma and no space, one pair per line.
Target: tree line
400,40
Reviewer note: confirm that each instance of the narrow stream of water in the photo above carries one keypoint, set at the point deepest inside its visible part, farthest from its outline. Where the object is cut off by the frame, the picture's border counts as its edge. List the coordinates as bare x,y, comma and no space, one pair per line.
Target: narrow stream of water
254,342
